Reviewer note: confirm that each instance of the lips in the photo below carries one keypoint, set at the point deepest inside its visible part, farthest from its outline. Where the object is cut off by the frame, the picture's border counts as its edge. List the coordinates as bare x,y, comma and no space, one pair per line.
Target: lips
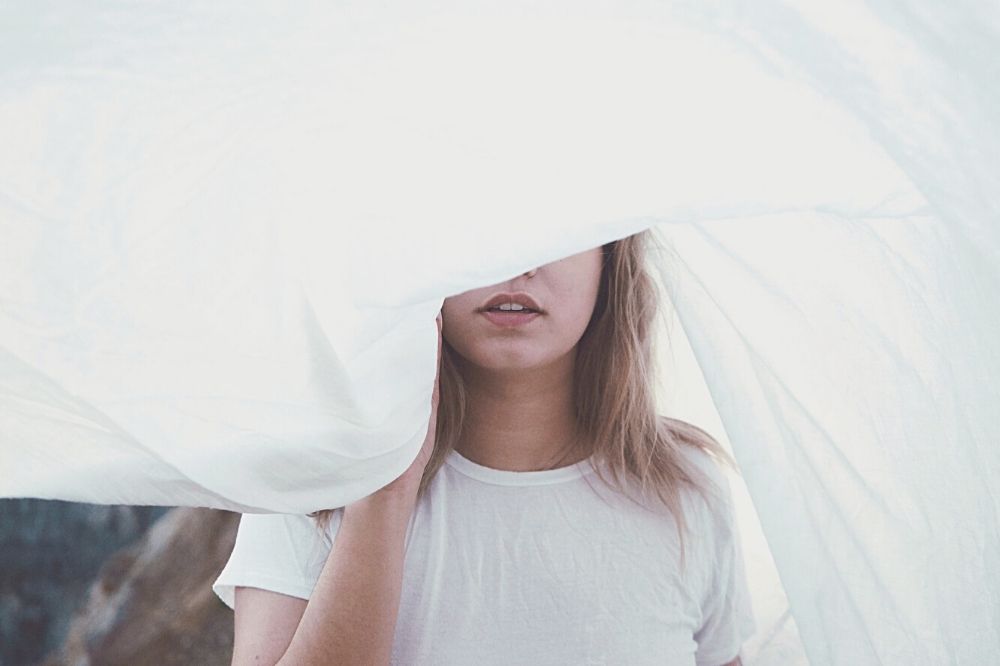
520,298
510,319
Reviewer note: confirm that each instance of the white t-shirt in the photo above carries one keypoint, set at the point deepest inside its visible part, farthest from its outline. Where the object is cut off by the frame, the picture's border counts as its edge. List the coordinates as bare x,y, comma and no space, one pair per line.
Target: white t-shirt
536,568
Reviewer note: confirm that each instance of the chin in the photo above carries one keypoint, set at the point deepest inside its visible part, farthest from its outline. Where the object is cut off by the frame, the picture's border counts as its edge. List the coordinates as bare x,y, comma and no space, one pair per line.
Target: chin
501,367
500,363
507,355
518,360
507,360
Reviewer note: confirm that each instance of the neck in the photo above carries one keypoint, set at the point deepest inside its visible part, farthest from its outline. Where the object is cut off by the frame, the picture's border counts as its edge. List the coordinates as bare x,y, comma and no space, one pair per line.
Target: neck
521,420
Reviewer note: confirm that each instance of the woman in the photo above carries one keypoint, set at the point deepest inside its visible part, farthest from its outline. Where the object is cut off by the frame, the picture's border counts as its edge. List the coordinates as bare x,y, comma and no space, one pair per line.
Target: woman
497,546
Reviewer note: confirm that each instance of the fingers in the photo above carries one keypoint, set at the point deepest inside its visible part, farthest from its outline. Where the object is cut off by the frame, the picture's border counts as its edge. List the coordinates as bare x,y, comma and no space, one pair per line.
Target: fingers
437,375
440,325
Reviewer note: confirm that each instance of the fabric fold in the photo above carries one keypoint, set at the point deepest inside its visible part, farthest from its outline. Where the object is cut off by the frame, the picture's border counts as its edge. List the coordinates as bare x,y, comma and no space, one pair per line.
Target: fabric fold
226,230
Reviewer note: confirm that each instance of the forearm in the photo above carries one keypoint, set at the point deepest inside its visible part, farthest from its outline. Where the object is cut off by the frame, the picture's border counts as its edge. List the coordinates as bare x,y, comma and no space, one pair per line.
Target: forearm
351,615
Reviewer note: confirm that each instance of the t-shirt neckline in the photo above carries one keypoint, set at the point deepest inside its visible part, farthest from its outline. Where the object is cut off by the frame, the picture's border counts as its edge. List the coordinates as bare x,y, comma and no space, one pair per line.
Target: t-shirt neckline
505,477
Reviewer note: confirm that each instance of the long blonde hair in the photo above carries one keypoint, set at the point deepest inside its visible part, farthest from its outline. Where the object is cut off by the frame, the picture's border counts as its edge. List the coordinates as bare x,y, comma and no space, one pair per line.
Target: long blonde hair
614,393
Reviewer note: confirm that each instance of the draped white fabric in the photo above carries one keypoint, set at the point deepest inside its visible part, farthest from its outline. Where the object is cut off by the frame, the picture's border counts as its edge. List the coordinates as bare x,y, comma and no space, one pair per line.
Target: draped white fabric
226,229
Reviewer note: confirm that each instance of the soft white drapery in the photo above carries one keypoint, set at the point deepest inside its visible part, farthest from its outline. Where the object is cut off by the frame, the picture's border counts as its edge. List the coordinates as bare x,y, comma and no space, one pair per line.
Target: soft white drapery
225,230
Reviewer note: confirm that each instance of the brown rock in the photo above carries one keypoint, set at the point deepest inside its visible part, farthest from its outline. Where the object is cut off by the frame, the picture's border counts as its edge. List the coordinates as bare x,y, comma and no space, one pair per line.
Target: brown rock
152,603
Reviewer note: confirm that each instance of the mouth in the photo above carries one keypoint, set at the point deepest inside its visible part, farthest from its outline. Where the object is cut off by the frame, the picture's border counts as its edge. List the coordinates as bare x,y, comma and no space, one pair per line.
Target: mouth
511,302
511,318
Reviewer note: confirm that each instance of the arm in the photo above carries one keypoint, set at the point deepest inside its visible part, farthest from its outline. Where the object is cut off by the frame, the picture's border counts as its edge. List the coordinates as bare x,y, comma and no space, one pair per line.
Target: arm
264,623
351,617
351,614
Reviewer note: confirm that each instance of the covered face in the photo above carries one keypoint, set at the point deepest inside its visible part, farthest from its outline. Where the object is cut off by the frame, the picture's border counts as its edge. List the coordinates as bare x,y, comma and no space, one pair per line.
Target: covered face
561,296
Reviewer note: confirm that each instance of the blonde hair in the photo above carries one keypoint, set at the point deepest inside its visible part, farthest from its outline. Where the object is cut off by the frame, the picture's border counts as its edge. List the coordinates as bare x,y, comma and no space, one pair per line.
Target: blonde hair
614,393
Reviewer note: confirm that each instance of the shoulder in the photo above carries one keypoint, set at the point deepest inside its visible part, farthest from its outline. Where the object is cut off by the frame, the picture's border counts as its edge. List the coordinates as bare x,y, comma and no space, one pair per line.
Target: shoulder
274,551
714,494
701,454
706,465
275,530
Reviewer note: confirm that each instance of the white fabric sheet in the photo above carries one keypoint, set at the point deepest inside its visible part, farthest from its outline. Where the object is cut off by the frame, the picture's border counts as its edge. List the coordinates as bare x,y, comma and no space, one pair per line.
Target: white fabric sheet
225,231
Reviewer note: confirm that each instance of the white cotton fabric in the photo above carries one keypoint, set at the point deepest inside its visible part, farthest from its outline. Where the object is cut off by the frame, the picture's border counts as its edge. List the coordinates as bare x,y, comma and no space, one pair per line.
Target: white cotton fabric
225,232
547,567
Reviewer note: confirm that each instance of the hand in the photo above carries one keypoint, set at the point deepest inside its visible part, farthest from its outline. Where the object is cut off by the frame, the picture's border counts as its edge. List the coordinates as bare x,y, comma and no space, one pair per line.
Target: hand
410,479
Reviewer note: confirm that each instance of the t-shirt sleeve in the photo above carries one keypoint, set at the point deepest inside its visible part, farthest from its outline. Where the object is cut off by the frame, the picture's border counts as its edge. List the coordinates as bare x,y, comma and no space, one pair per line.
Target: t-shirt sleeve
279,552
727,613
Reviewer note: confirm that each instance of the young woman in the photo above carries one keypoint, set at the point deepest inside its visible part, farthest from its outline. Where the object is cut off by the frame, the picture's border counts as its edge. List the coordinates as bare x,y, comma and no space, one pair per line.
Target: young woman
544,519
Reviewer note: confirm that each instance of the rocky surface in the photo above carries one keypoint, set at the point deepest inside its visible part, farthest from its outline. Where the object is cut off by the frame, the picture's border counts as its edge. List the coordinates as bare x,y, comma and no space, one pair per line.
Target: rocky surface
152,602
50,552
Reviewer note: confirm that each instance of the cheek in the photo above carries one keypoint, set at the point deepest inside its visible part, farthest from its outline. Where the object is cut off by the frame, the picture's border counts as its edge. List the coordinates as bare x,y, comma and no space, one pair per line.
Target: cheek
577,297
575,314
459,323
